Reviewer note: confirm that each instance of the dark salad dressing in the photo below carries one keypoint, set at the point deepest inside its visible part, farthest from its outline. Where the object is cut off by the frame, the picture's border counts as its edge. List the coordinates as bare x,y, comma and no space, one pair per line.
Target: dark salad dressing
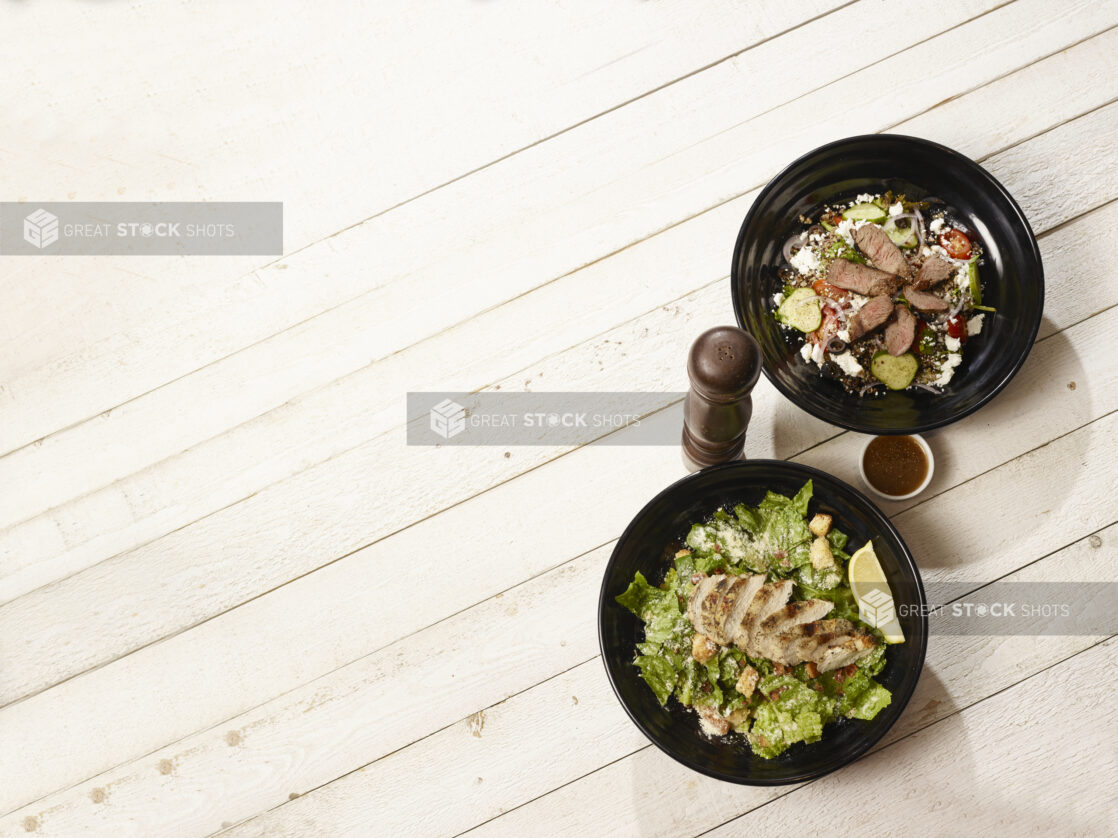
895,465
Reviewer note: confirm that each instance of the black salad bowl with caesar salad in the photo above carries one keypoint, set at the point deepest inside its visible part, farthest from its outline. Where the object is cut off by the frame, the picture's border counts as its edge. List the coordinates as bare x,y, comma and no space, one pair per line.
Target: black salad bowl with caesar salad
893,284
742,628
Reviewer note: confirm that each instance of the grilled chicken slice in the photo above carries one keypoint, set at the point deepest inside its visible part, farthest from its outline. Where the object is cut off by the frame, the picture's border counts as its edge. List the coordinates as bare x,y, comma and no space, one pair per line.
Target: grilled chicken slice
769,598
850,649
784,627
733,624
700,593
760,620
796,613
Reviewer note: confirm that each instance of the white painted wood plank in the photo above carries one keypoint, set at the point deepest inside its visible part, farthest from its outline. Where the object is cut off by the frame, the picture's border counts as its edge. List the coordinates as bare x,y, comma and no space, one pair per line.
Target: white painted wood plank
693,161
427,93
367,708
166,588
312,428
989,768
160,343
1001,749
572,725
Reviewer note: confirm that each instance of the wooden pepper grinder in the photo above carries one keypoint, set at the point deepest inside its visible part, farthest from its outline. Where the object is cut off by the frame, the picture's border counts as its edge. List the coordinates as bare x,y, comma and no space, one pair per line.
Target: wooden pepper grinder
723,365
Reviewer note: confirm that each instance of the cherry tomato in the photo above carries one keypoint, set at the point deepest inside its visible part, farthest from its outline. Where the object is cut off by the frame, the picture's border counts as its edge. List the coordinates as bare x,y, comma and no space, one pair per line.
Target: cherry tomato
828,329
956,243
957,327
825,289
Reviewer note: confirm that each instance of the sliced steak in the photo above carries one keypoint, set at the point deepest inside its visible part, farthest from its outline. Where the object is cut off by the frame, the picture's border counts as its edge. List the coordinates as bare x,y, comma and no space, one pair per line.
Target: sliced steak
900,331
880,250
870,316
861,279
923,301
932,273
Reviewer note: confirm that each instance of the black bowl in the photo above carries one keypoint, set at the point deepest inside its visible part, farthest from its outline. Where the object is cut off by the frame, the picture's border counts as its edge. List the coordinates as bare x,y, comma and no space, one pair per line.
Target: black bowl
1012,275
648,545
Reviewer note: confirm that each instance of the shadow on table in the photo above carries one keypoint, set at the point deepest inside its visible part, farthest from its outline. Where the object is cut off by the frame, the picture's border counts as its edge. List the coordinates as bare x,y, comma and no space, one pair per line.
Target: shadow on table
1028,398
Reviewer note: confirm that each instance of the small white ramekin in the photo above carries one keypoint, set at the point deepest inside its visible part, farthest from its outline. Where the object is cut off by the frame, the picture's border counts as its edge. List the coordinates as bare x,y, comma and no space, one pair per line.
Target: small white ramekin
923,485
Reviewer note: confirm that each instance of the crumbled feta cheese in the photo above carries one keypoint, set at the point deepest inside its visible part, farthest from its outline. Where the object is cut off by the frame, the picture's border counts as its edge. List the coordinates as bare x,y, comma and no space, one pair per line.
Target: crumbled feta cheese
843,335
937,249
952,344
896,209
778,298
849,364
927,251
947,371
974,325
936,226
805,351
856,301
962,276
817,353
864,198
805,261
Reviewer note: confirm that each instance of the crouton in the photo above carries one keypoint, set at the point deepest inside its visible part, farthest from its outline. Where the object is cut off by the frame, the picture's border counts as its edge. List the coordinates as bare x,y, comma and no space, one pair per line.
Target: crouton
820,525
747,681
680,554
821,556
739,719
703,648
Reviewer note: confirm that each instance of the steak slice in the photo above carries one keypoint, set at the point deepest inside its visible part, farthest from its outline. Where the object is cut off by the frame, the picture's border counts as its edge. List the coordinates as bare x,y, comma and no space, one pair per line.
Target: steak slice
880,250
861,279
900,331
923,301
932,273
870,316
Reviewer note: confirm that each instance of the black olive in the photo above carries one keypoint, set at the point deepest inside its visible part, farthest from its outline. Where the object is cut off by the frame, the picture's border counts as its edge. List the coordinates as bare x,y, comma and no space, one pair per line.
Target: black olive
836,346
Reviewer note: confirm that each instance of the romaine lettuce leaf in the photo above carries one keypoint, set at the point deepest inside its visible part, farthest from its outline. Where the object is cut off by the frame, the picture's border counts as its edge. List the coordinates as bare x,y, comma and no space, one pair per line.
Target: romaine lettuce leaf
658,672
658,608
872,701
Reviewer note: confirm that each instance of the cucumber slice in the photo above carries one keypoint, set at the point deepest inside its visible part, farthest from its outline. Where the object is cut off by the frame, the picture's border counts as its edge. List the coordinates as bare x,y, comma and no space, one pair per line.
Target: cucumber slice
975,285
905,238
895,372
802,310
865,212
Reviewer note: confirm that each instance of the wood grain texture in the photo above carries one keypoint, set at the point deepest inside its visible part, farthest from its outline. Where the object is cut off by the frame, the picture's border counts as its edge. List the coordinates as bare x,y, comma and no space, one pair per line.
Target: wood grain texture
542,739
208,568
342,113
538,225
324,729
256,545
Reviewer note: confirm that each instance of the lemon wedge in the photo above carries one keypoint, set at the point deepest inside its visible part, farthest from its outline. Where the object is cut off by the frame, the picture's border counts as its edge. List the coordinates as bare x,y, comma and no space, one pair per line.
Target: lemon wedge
871,590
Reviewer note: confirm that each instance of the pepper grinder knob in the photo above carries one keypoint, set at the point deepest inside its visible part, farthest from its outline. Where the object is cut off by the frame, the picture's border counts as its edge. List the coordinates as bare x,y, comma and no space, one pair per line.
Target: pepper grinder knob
723,365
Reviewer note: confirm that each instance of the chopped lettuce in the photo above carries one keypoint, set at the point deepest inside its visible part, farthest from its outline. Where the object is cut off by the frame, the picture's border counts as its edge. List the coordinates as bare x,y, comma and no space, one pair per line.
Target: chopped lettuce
786,707
872,701
659,674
